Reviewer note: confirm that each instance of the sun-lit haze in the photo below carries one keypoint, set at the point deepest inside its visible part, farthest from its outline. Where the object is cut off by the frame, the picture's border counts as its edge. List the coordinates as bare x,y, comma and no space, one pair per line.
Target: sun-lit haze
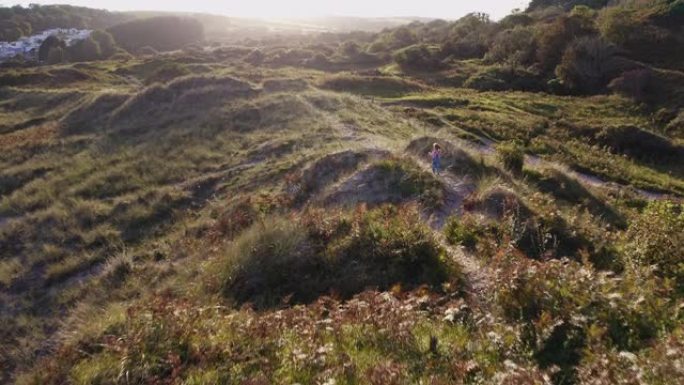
306,8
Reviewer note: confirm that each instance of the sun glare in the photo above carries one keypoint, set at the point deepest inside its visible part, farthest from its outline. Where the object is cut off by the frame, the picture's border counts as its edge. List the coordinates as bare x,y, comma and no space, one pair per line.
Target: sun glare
310,8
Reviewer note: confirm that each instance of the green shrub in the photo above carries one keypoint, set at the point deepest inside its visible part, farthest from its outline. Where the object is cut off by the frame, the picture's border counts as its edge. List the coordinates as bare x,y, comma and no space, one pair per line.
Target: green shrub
589,64
625,312
515,46
553,38
461,231
544,236
57,55
404,177
84,50
505,78
106,43
319,253
50,43
656,238
511,156
418,57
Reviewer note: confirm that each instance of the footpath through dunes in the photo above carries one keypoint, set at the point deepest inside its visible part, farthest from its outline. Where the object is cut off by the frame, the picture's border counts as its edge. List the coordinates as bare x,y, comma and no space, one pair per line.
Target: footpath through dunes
374,177
484,146
458,179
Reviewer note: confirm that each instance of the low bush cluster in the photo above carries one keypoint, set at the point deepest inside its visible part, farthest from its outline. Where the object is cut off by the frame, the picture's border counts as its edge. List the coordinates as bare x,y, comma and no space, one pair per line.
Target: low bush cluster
502,78
655,238
373,338
511,156
299,259
568,307
462,231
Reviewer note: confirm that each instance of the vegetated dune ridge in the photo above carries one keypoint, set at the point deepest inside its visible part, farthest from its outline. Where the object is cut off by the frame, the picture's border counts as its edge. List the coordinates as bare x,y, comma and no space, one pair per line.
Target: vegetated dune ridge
239,214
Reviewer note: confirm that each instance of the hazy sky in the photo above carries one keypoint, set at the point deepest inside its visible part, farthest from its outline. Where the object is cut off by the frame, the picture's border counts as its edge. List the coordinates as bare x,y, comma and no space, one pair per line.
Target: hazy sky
447,9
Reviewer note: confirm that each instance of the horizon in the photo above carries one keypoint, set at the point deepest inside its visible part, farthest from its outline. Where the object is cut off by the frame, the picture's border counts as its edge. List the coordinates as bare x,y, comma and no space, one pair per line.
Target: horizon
301,9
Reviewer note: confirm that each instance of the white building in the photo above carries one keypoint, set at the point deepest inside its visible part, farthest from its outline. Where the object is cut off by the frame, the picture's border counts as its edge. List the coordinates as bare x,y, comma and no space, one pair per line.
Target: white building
28,46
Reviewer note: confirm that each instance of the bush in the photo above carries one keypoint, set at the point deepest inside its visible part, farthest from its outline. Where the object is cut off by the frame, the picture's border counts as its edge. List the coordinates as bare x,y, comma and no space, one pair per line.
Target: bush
461,231
303,258
505,78
84,50
410,182
657,88
163,33
643,38
402,37
656,238
469,37
106,43
57,55
632,84
511,156
640,144
567,306
290,57
515,47
319,61
589,64
50,43
554,38
418,57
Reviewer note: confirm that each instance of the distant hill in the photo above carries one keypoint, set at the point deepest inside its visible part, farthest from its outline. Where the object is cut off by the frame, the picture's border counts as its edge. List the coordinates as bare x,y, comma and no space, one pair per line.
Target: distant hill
18,21
227,28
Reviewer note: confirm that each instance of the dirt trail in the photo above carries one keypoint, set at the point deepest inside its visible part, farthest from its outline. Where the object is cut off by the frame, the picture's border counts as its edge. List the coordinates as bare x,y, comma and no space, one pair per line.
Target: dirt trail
478,277
487,148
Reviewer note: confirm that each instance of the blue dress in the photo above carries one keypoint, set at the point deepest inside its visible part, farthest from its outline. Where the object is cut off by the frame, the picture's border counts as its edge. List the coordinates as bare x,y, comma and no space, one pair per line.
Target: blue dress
436,162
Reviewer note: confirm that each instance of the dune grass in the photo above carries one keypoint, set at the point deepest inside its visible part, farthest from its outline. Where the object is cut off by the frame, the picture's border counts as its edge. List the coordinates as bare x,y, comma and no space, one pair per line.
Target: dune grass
140,222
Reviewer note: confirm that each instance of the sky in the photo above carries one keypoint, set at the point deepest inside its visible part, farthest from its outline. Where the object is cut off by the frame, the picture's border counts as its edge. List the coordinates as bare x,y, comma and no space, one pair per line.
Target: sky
445,9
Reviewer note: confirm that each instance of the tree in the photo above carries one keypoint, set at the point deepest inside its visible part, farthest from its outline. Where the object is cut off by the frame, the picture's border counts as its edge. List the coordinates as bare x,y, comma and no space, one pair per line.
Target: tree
566,4
56,55
589,64
469,37
642,39
402,37
417,57
350,49
85,50
164,33
515,46
552,40
48,44
105,41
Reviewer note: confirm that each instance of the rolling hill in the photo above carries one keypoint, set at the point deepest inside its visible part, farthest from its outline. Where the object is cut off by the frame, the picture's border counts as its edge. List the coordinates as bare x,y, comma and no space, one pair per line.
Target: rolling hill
265,213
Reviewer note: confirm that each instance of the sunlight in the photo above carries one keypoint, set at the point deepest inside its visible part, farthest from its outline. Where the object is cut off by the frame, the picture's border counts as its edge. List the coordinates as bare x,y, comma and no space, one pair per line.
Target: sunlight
311,8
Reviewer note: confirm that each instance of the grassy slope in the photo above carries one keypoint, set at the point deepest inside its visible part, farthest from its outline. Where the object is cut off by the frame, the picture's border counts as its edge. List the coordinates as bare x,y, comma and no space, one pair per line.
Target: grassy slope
109,215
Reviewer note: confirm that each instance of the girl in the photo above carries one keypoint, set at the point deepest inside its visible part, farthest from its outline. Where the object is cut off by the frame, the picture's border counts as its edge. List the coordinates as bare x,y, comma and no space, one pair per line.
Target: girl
436,155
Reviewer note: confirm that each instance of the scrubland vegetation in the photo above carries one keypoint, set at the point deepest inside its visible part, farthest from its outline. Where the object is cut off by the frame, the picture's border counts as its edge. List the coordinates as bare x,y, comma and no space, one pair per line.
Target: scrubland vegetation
263,212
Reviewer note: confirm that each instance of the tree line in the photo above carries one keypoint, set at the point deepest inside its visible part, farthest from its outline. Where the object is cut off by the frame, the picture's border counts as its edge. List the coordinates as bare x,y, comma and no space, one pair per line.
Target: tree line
18,21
